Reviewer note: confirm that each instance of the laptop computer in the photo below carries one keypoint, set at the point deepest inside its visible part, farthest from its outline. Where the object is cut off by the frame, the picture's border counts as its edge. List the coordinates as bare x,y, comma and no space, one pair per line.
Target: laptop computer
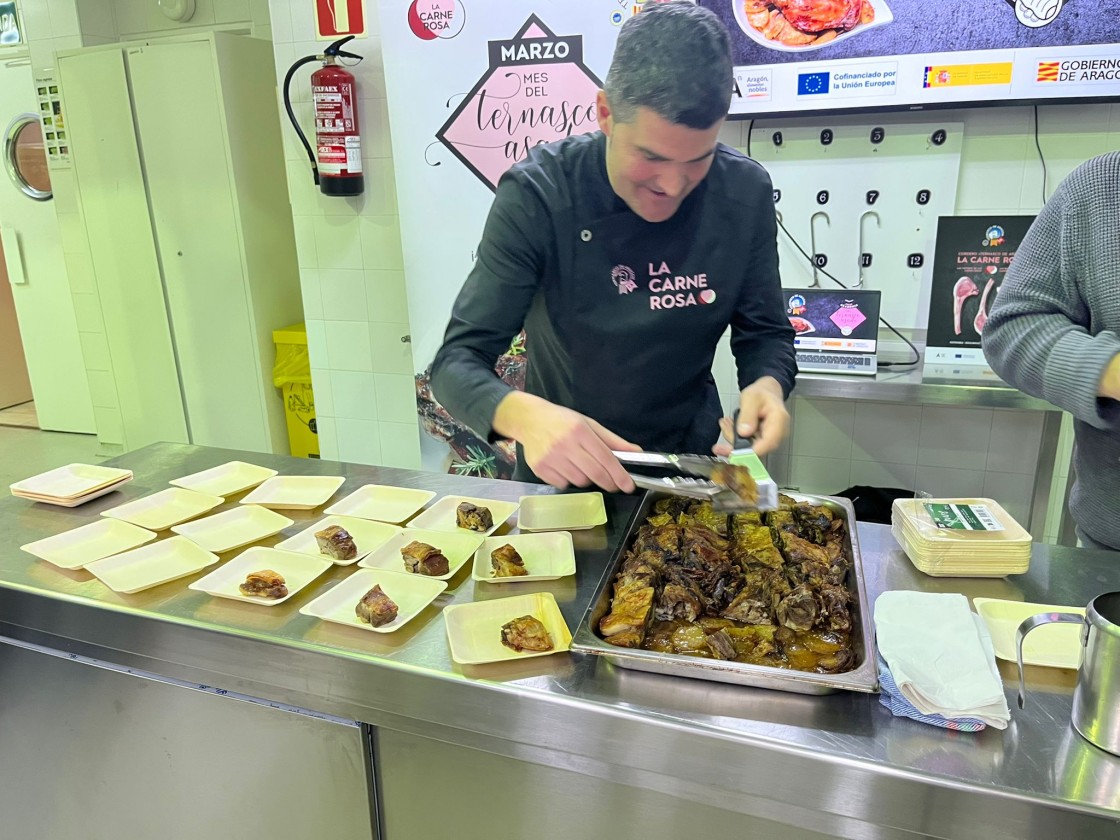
837,330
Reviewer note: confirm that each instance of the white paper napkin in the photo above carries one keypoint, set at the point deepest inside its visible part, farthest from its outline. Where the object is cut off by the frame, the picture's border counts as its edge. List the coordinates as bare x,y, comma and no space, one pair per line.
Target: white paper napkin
938,656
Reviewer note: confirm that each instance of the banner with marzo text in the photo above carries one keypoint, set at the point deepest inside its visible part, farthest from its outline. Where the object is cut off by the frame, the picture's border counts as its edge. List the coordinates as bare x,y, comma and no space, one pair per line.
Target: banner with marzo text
473,85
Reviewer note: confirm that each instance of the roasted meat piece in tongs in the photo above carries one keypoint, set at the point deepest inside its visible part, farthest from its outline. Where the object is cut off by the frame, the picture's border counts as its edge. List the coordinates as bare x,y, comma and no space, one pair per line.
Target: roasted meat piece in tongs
729,487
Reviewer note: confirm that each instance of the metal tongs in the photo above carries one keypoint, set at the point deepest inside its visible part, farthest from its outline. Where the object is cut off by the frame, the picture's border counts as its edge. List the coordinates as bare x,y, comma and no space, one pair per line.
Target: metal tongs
728,483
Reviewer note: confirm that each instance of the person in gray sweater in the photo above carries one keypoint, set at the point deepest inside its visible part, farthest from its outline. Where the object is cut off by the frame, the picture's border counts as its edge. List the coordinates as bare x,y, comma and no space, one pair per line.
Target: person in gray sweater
1054,332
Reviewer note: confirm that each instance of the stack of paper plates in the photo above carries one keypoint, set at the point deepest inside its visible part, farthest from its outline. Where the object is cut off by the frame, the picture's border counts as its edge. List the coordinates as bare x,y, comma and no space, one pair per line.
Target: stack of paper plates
961,537
71,485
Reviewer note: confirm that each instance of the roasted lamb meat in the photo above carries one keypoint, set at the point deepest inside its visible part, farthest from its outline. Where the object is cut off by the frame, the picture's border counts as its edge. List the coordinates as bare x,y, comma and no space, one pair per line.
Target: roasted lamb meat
819,15
336,543
506,562
376,608
720,644
526,633
473,517
423,559
264,584
799,609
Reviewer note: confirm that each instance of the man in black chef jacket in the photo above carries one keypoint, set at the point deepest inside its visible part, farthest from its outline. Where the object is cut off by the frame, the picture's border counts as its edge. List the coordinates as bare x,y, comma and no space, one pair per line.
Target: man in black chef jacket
625,254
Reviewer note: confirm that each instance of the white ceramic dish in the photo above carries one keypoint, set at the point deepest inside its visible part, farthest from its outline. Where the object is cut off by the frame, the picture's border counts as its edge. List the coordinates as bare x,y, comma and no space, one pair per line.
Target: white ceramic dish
563,512
298,570
382,502
546,556
234,528
411,594
367,535
75,548
883,15
71,481
161,510
226,479
441,515
150,565
474,631
1055,645
457,548
294,492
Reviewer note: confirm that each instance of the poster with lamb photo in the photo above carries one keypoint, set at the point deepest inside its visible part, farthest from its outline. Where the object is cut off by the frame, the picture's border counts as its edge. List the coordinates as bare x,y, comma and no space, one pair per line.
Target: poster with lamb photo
970,259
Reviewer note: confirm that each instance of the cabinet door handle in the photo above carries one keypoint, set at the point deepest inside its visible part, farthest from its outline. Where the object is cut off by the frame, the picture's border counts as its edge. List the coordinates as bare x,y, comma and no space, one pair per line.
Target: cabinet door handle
13,259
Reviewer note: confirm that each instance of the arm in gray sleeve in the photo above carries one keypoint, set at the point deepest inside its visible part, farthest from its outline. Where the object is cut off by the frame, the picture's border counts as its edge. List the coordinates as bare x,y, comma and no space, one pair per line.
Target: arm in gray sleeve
761,335
1037,336
491,307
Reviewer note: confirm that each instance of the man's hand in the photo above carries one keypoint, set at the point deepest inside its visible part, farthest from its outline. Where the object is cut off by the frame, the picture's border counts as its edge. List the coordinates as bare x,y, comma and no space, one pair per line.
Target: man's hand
563,447
762,412
1110,380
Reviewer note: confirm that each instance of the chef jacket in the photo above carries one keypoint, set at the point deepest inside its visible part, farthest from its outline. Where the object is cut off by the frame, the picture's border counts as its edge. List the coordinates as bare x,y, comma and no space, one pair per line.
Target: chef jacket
622,316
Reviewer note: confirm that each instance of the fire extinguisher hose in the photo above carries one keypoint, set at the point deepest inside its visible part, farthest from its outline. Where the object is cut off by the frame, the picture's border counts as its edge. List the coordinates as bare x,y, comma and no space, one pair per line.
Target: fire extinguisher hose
292,116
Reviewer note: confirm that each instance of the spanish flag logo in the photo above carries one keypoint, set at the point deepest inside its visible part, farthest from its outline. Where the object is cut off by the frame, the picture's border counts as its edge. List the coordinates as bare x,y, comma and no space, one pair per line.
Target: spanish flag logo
1047,71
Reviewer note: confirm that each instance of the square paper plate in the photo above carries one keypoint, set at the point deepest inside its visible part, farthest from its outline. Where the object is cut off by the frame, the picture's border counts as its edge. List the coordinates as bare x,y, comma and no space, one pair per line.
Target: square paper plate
441,515
474,631
104,538
161,510
225,480
298,570
70,481
382,502
151,565
411,593
234,528
567,512
367,536
294,492
546,556
457,548
1056,646
76,500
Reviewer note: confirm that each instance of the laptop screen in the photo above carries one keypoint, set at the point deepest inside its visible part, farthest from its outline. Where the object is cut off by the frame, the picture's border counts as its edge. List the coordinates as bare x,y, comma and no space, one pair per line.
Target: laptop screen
839,320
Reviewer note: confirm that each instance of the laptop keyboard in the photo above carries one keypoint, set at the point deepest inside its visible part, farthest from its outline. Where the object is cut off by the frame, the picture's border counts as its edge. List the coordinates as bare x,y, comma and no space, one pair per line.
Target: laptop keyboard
843,361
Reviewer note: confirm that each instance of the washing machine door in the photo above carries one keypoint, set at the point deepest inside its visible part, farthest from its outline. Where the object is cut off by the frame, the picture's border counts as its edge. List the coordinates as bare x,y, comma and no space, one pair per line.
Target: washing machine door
25,157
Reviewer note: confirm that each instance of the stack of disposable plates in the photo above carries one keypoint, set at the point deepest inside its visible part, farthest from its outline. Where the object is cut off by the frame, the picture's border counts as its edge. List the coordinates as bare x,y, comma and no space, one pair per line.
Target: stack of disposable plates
961,537
71,485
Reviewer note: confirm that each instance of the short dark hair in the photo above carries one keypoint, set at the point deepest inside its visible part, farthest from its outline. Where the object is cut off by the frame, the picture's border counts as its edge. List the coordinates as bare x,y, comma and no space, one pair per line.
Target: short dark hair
675,59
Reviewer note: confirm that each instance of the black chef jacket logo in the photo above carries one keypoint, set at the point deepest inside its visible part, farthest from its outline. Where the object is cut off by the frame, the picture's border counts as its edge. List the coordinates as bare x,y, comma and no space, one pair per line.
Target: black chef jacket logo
624,279
673,291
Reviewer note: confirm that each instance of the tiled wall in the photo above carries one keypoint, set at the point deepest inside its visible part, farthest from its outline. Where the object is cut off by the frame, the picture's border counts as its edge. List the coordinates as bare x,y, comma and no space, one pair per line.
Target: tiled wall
351,267
941,450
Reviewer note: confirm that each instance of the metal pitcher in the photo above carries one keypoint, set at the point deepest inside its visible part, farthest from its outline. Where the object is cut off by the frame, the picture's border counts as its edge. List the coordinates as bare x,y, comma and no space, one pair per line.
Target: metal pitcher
1096,699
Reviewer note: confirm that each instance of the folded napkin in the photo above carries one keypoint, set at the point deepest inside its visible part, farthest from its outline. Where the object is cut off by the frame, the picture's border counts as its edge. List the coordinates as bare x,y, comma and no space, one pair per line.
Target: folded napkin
899,706
939,657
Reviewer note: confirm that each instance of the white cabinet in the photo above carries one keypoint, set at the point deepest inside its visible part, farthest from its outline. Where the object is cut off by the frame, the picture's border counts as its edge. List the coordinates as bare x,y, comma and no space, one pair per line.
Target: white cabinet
180,172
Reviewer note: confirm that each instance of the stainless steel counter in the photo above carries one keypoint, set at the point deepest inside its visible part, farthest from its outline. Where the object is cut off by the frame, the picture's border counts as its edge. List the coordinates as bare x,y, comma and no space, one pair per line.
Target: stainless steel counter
839,765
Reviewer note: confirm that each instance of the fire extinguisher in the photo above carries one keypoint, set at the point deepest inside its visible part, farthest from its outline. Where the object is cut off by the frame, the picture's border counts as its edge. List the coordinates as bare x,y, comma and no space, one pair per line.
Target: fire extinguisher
337,165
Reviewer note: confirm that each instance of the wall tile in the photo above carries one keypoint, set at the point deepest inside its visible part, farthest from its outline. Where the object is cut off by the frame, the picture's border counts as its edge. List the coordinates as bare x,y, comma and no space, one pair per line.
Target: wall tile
348,345
328,438
386,298
380,196
944,482
389,353
302,20
354,395
337,242
232,11
344,294
64,17
359,441
102,389
95,17
303,195
400,445
79,270
305,241
396,397
311,293
1016,437
324,393
36,18
95,351
109,425
376,139
275,15
818,475
954,437
317,343
1012,492
882,474
886,432
381,243
87,311
824,428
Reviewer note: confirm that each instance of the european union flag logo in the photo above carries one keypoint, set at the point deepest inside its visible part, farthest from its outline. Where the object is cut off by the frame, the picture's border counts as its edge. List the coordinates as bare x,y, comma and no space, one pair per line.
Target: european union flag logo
810,83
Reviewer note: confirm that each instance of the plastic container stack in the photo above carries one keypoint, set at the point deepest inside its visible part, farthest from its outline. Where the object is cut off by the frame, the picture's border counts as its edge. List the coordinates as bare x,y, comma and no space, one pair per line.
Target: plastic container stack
961,537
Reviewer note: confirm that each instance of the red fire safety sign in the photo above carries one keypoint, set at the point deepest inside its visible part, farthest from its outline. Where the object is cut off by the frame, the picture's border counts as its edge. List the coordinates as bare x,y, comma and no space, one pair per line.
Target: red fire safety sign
337,18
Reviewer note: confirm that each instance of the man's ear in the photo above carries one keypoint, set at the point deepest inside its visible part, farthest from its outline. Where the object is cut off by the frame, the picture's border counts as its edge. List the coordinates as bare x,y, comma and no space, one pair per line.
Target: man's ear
603,112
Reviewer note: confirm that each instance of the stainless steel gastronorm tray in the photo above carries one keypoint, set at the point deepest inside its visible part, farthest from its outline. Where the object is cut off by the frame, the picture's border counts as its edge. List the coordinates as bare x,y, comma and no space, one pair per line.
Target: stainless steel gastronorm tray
864,677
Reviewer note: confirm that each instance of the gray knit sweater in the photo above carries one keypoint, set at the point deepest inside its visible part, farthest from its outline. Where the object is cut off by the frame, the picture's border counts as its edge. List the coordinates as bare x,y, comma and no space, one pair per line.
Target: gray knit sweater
1055,324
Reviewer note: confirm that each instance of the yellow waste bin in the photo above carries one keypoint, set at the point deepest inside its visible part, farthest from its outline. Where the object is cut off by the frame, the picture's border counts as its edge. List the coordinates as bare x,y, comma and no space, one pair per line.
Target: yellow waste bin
292,375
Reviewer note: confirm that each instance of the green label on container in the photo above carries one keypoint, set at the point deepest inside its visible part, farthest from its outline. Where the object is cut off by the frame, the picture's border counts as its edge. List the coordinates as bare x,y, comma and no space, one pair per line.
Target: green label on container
963,517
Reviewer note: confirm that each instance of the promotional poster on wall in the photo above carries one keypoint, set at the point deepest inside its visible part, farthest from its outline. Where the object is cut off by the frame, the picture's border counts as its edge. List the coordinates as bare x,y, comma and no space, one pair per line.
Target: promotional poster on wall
822,55
969,263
